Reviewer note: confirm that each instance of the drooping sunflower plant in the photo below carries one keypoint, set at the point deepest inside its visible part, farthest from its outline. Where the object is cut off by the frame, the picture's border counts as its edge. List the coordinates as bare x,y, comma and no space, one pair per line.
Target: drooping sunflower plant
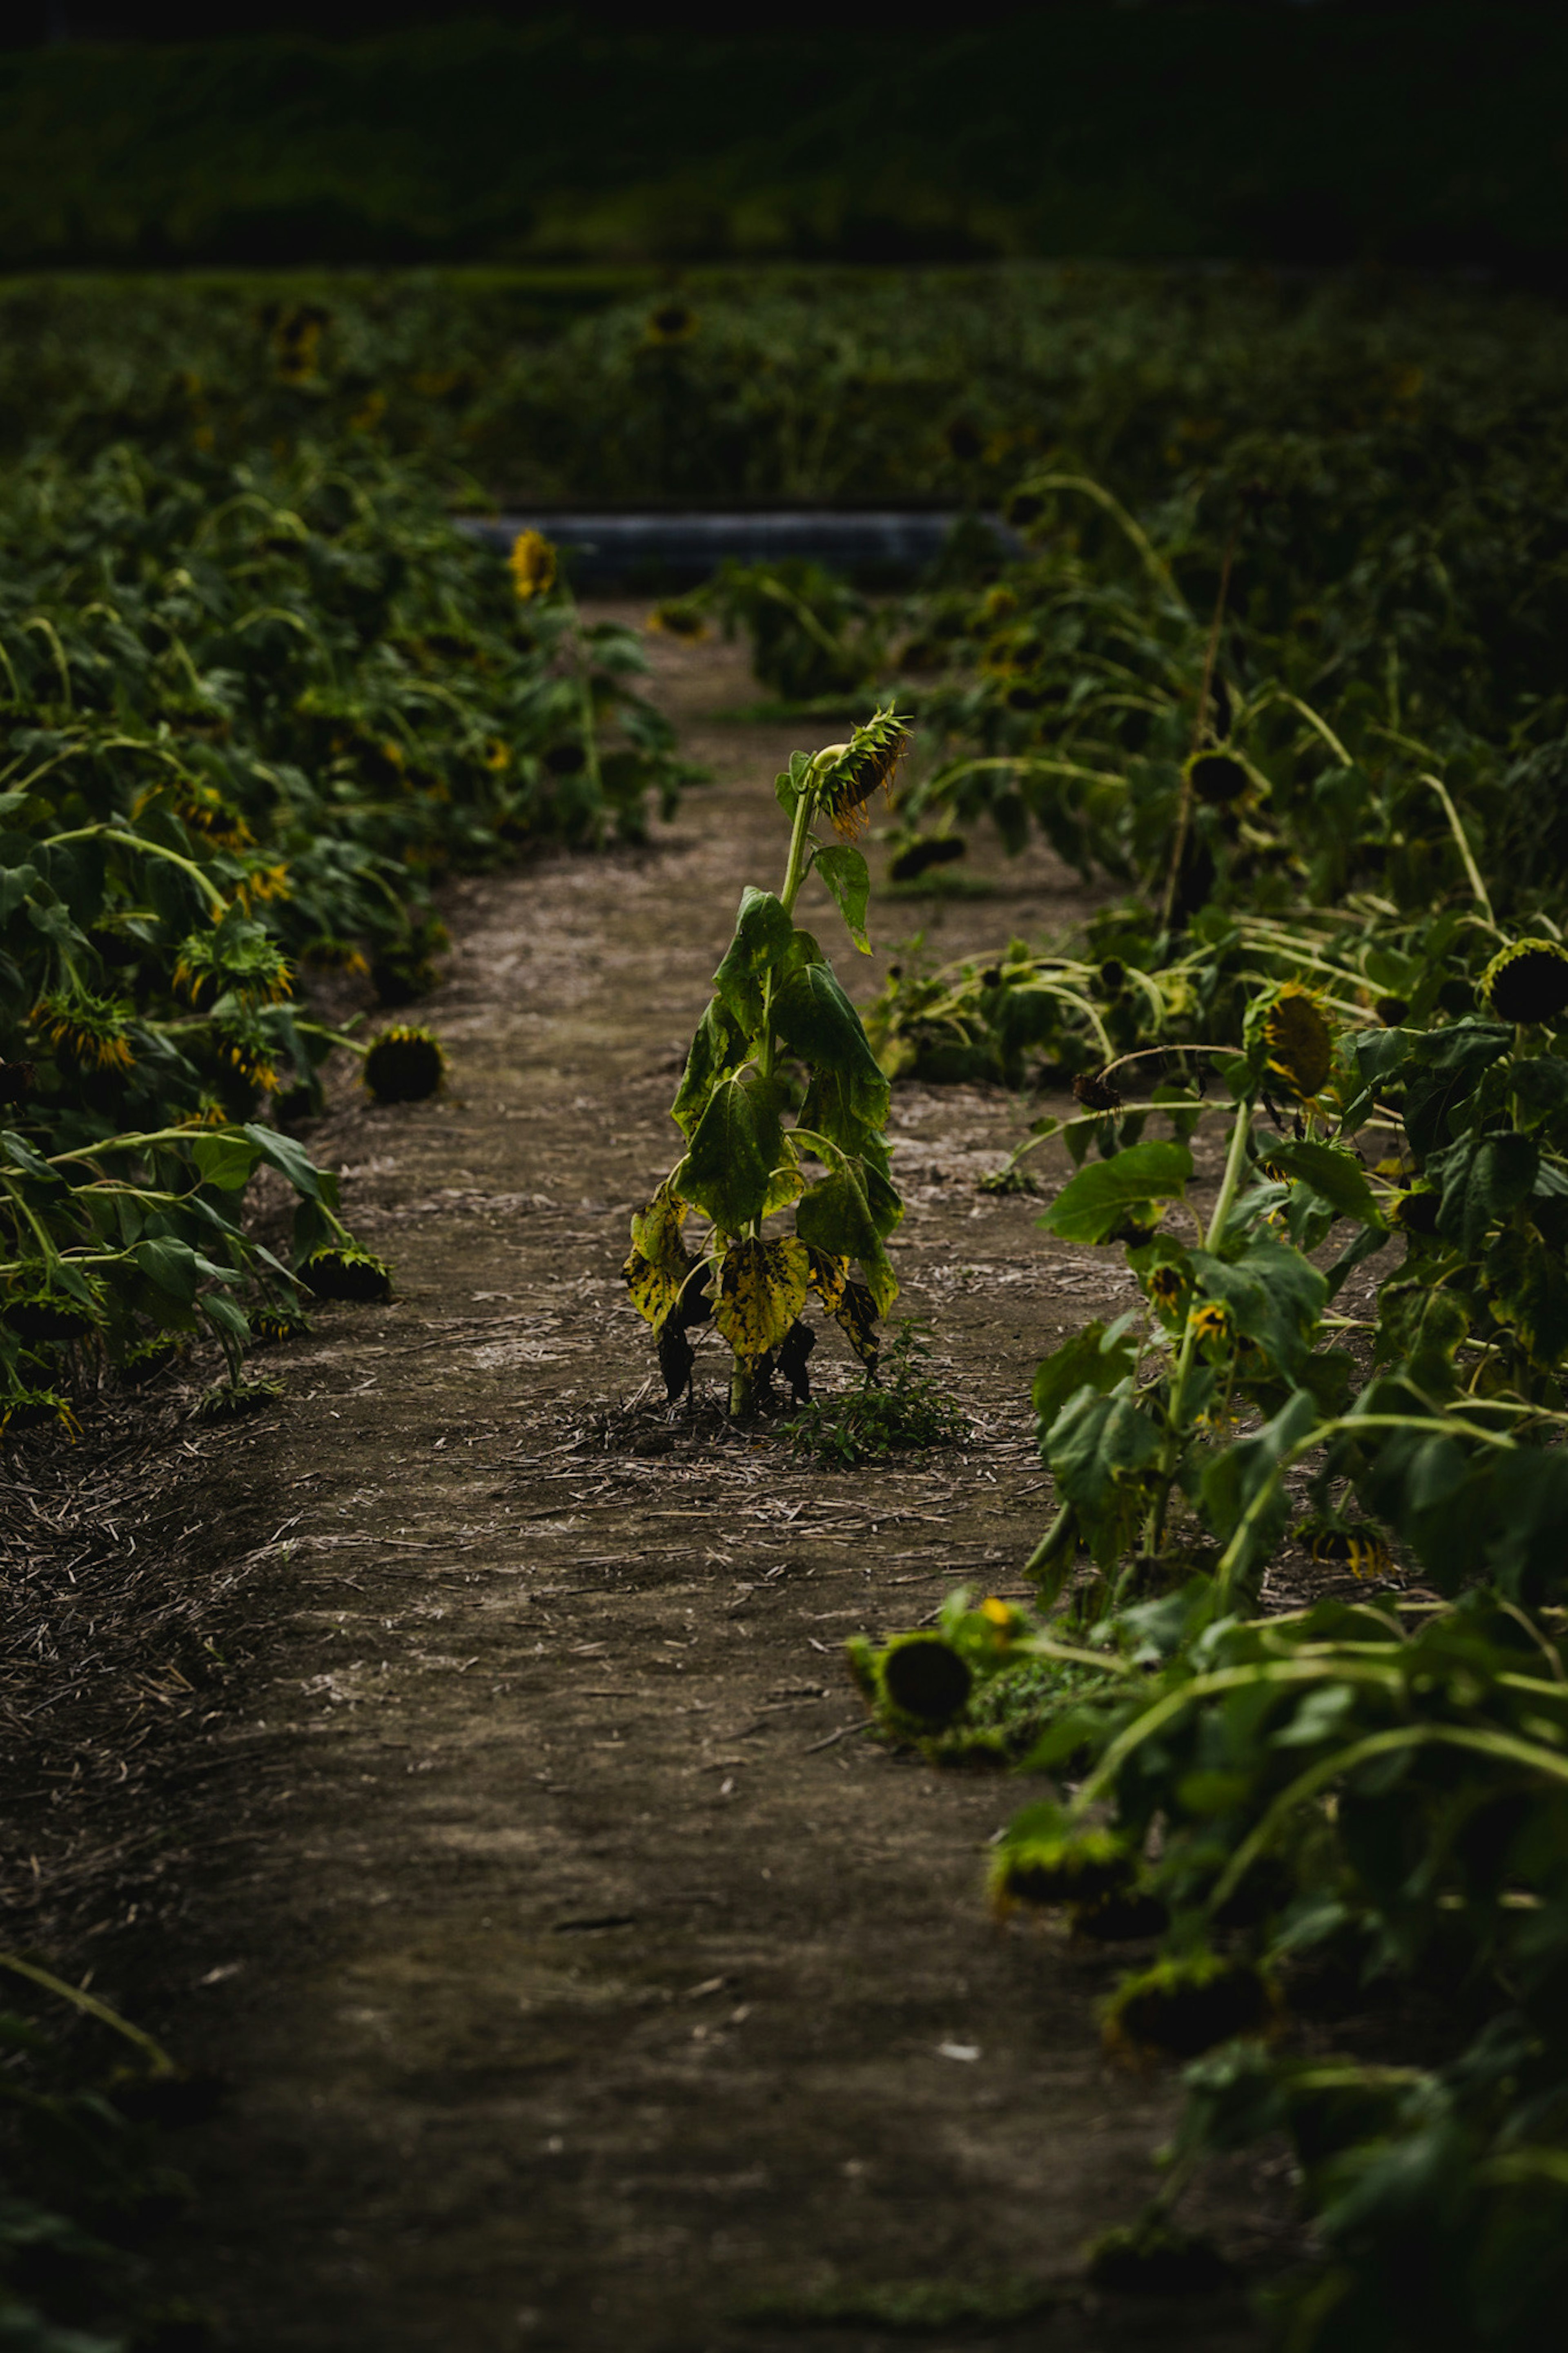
779,1037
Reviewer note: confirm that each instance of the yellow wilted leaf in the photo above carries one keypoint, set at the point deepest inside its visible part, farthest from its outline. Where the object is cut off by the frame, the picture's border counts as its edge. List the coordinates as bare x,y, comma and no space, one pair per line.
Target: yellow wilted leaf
658,1264
762,1290
828,1278
785,1185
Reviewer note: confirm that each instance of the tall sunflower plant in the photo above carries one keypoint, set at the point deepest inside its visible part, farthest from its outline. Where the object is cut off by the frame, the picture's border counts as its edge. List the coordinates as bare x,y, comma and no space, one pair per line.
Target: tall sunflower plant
782,1106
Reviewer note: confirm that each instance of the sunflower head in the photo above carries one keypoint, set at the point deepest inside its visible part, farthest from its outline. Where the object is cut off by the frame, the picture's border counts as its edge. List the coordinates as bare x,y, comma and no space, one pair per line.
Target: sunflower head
344,1271
1211,1322
1416,1211
923,1679
1357,1545
1060,1865
327,953
1297,1041
674,321
848,774
1094,1092
1186,2003
1217,777
532,564
404,1065
93,1030
1527,982
29,1408
677,617
272,1326
234,959
1164,1287
297,341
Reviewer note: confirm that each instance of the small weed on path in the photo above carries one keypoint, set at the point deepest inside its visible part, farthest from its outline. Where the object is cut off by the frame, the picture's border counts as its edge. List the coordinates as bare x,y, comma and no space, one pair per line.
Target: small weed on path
899,1410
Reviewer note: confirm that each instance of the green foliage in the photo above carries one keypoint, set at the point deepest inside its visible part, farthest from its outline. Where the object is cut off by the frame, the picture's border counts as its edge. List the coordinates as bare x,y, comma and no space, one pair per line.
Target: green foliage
898,1409
249,712
1367,1794
81,2173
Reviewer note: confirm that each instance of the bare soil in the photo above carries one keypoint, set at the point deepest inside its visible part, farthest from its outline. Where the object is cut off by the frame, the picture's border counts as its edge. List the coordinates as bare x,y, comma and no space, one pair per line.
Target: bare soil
580,1973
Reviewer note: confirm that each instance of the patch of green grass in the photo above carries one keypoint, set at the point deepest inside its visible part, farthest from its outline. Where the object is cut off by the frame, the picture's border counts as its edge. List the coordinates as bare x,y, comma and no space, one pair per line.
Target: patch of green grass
897,1409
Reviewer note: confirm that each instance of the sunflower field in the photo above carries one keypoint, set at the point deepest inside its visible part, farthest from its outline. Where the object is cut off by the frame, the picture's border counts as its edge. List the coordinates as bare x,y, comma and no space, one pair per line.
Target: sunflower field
255,709
1294,1663
1278,673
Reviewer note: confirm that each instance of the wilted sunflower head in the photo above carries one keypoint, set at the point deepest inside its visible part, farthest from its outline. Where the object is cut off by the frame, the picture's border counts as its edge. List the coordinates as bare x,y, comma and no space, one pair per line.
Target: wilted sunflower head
923,1678
850,772
1298,1044
1211,1321
674,321
531,563
1095,1092
234,959
1217,777
1164,1286
677,617
404,1065
1361,1547
1527,981
93,1030
327,953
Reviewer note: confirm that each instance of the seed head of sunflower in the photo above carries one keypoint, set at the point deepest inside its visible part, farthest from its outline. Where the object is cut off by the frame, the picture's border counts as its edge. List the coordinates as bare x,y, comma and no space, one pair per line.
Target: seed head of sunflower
532,564
1217,777
404,1065
1211,1321
1298,1044
1527,982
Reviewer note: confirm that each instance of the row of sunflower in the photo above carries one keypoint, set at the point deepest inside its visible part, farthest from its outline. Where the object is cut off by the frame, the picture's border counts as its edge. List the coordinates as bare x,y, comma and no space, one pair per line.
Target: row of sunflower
1294,1662
251,714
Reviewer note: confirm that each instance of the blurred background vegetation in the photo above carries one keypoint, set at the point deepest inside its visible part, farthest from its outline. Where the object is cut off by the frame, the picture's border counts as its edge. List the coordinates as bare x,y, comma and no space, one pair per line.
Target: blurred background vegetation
1427,136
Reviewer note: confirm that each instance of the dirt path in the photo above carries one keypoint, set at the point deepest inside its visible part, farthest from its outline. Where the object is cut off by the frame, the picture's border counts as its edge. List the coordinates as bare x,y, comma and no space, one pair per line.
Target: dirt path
580,1972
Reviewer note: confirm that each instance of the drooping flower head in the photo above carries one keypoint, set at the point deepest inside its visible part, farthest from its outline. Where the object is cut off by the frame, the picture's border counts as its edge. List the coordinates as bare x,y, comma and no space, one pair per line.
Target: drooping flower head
1290,1033
1217,777
1527,981
850,772
95,1031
